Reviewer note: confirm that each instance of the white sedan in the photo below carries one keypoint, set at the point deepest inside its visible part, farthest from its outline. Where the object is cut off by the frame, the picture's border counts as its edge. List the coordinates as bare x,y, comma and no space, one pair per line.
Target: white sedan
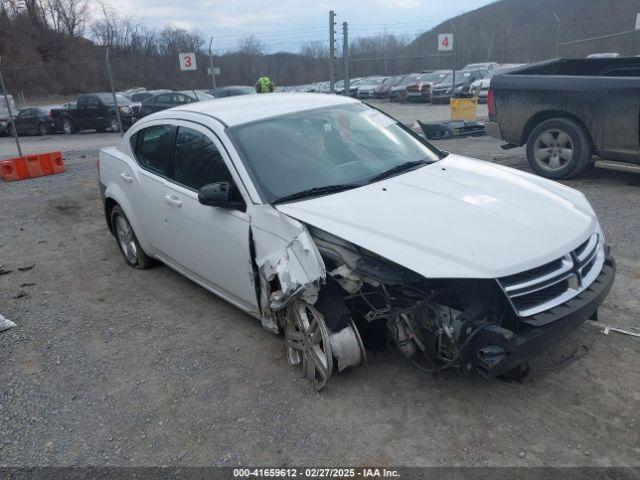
333,223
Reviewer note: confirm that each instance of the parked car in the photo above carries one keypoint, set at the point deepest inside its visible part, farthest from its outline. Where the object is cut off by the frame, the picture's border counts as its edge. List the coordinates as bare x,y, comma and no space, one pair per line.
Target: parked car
564,111
166,100
198,95
307,212
445,90
232,91
420,89
482,66
382,90
367,89
480,88
139,97
398,93
354,84
4,113
94,111
339,87
34,121
604,55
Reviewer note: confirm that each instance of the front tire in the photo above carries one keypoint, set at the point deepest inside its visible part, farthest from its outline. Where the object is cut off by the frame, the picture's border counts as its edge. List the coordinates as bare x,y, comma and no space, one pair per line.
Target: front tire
113,124
559,148
43,129
127,241
67,126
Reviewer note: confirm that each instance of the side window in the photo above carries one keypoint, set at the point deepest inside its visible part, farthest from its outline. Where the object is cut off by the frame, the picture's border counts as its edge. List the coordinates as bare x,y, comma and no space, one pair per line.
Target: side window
197,160
93,103
82,102
164,98
153,148
180,99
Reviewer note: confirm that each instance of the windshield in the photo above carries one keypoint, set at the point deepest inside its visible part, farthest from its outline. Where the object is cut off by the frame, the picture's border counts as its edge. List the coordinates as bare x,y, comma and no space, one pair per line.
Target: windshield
408,79
462,77
342,144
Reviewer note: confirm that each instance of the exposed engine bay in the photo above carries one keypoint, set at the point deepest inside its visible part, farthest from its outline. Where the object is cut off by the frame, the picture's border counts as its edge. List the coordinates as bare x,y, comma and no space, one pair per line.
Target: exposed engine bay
367,301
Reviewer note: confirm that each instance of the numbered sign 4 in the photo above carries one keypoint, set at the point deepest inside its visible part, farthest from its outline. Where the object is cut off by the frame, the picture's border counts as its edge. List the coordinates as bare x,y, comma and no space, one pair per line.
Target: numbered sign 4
445,42
187,61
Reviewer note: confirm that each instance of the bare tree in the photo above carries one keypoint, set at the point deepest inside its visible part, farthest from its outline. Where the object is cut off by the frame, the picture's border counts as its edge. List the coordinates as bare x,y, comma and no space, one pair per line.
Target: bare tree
67,16
251,45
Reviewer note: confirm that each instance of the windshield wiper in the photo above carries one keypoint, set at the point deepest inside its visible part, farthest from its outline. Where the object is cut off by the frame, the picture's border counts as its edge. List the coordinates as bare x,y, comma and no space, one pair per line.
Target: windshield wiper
403,167
315,191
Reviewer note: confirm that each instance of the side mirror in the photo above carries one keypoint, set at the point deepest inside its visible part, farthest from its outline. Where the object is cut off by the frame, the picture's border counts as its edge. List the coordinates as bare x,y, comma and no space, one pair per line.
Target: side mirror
218,195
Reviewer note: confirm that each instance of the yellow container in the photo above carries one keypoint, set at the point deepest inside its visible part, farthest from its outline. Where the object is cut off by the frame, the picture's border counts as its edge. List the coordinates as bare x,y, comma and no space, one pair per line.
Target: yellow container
463,108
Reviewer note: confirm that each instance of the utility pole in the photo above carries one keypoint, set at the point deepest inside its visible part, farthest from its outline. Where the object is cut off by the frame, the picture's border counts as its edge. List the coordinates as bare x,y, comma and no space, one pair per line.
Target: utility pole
345,57
455,56
14,130
558,24
113,92
213,75
332,52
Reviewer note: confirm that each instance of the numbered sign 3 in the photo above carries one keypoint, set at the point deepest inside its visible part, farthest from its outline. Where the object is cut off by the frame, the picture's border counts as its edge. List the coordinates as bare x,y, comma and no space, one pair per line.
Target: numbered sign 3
445,42
187,61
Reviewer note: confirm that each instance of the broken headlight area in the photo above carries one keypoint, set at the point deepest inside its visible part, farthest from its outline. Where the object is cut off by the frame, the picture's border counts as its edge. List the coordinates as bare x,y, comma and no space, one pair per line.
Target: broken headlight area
368,301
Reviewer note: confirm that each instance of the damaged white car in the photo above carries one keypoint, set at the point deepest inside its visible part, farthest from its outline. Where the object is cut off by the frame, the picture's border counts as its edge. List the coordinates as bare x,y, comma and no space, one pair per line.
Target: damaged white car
336,225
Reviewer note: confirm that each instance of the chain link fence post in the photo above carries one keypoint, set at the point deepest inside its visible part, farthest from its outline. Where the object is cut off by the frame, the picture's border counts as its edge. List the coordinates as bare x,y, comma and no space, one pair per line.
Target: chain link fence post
9,105
113,92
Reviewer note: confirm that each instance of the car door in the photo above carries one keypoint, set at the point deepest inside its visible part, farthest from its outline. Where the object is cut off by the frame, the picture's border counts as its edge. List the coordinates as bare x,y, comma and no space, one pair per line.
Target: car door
210,244
23,121
153,148
95,113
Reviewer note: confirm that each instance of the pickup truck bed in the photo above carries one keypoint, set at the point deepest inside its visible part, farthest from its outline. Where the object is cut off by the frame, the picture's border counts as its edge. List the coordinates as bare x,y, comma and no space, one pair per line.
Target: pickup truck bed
566,111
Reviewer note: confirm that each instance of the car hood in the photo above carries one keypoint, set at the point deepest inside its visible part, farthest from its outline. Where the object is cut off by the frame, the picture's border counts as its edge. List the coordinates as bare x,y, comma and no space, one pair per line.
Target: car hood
456,218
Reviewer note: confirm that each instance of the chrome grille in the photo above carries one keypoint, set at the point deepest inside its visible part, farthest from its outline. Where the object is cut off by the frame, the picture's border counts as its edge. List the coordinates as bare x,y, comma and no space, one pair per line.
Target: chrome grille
553,283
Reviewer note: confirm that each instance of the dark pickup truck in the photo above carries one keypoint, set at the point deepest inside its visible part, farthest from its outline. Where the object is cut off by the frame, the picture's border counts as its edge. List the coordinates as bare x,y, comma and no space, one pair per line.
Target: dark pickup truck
94,111
567,111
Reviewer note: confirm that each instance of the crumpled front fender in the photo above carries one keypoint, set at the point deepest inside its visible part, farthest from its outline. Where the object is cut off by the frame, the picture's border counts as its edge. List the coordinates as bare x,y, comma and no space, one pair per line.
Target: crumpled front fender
288,262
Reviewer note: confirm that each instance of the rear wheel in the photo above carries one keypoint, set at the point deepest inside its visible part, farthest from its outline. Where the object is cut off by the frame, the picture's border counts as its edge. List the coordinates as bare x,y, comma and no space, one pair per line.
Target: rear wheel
128,243
559,148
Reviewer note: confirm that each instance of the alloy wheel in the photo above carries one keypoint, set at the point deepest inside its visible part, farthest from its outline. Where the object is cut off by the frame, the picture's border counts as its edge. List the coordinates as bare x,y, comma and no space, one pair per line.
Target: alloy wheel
307,342
553,149
126,239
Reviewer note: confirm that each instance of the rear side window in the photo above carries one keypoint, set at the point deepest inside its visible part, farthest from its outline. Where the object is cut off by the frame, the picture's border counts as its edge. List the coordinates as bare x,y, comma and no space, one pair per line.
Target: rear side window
153,148
197,160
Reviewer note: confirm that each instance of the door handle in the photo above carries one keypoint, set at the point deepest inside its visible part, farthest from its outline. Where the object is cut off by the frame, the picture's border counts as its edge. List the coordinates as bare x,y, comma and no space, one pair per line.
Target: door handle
171,200
126,178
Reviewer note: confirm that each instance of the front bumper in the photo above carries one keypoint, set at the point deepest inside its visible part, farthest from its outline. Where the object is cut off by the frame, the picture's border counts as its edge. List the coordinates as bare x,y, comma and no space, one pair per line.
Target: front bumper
496,350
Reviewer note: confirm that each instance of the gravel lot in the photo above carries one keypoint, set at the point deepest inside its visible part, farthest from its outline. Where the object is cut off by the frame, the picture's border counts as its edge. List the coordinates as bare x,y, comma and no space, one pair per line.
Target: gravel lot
114,366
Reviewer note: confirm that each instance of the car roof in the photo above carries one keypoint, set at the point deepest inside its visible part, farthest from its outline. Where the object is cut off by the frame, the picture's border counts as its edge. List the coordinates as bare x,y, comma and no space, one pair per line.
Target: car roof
248,108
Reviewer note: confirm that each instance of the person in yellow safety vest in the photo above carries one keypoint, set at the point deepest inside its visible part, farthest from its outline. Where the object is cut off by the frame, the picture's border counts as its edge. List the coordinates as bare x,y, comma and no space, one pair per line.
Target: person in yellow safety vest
265,85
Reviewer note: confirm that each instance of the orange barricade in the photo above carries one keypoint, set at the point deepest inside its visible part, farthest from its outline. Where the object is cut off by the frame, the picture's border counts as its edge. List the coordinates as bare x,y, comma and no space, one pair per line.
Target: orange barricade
31,166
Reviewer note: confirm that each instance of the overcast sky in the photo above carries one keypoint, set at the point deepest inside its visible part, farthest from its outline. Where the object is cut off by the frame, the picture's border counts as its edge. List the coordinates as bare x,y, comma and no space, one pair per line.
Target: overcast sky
285,24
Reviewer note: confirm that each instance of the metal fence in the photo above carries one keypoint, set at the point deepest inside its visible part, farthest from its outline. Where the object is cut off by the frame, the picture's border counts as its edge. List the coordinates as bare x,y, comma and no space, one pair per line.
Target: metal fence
38,109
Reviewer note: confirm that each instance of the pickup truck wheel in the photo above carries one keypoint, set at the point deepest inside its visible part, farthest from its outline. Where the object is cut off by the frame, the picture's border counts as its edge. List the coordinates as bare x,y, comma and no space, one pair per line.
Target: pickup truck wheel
113,124
133,253
43,129
559,148
67,126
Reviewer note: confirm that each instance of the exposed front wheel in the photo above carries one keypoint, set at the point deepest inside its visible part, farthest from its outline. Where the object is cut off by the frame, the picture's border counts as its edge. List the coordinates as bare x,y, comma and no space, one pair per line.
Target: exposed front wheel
559,148
127,241
43,129
308,345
